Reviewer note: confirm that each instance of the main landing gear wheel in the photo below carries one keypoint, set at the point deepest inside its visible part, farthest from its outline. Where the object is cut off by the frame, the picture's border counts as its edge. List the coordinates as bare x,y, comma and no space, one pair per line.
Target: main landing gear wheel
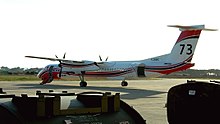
124,83
83,84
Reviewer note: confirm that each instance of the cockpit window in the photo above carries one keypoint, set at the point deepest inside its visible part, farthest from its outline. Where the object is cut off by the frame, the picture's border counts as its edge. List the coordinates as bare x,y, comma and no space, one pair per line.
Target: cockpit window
46,67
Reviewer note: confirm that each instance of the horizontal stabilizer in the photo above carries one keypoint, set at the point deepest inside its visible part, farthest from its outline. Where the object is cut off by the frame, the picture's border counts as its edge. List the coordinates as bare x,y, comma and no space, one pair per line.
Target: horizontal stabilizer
193,27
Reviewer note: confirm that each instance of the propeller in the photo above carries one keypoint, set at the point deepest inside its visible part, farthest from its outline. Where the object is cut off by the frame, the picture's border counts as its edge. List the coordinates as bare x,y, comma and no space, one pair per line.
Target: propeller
61,68
50,74
106,58
100,58
64,55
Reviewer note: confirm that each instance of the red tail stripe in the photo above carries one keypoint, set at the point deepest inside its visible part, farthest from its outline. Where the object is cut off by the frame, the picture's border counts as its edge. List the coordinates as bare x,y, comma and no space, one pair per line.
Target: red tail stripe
188,33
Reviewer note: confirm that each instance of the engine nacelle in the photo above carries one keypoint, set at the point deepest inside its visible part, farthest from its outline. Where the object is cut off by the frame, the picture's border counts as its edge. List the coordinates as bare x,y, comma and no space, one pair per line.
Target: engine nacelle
78,68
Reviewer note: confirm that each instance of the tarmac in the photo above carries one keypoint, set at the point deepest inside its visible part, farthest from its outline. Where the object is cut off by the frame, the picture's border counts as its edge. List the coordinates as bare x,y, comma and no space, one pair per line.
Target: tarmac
148,97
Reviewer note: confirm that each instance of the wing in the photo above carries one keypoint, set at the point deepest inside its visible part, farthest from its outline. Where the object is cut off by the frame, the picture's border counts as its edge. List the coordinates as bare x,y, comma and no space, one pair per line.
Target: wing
55,59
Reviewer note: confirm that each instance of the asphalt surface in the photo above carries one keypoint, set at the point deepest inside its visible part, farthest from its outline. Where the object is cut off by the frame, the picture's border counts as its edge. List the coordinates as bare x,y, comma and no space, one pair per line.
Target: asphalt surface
148,97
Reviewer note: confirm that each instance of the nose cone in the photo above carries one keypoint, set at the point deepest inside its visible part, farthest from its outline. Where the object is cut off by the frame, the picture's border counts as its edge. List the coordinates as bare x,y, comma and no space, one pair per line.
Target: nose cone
40,73
49,73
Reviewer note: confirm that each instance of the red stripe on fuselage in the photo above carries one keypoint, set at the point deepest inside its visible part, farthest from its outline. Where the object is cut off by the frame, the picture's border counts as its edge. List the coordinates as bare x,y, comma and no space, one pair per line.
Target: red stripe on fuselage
171,70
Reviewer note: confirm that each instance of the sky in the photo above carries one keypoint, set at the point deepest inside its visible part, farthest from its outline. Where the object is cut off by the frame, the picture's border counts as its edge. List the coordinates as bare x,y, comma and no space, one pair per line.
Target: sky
119,29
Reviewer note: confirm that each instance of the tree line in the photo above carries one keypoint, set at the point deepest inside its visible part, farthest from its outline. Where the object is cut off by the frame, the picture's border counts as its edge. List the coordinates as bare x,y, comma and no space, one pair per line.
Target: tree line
195,73
18,71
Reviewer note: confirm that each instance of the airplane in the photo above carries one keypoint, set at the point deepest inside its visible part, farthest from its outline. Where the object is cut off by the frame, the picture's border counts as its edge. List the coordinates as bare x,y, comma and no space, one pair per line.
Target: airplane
178,59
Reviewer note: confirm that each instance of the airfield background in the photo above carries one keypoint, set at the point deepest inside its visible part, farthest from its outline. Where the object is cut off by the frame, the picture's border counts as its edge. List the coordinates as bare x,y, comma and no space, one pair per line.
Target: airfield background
190,73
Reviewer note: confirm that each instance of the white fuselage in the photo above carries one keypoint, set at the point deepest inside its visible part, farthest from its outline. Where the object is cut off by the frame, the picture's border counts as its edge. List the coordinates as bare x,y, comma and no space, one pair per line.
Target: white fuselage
178,59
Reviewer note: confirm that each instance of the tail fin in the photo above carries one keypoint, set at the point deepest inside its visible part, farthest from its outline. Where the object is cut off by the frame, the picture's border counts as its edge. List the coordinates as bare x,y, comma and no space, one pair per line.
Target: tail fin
185,45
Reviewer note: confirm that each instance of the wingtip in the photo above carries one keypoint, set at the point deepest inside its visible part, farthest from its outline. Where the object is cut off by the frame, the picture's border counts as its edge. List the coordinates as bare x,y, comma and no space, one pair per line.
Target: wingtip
209,29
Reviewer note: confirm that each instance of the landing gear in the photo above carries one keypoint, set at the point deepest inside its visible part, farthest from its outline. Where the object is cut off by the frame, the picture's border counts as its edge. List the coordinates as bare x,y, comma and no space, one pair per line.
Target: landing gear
124,83
83,84
44,81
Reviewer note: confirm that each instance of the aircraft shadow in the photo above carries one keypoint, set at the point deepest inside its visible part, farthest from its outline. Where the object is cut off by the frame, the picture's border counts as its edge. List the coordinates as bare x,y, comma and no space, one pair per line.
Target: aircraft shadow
125,92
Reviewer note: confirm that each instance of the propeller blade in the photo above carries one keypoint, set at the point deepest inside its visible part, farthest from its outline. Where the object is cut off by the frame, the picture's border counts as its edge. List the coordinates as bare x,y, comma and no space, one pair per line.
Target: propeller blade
56,56
95,63
64,56
61,68
100,58
51,72
106,58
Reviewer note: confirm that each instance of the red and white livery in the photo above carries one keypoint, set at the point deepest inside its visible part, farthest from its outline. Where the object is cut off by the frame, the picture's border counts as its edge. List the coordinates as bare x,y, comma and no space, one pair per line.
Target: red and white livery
178,59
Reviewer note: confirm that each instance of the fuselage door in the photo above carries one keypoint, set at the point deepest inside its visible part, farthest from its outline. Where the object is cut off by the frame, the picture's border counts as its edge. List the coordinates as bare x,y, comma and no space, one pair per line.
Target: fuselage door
140,71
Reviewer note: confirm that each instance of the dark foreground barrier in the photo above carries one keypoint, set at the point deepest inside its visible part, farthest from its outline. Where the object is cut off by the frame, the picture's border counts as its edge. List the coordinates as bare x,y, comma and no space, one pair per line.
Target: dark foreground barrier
67,108
194,102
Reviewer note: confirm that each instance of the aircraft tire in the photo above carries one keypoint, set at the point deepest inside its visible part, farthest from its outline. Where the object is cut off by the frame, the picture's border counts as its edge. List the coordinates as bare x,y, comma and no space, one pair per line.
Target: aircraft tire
124,83
83,84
